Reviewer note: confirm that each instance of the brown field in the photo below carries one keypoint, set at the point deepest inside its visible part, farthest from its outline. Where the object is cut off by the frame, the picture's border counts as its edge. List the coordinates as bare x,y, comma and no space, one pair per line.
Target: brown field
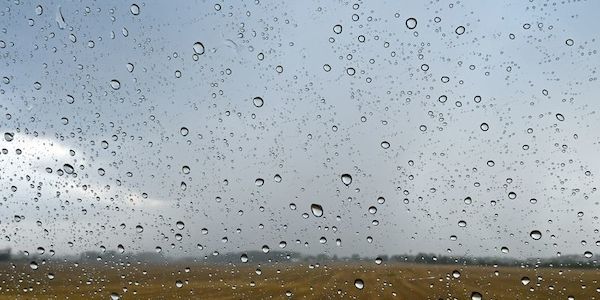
327,281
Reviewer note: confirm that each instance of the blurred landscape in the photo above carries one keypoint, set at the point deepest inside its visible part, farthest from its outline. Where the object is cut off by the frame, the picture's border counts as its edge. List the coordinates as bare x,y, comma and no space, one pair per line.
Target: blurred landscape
291,275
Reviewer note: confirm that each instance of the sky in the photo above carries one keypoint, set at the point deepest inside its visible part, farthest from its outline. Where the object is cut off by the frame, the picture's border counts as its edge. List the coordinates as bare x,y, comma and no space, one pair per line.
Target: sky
476,127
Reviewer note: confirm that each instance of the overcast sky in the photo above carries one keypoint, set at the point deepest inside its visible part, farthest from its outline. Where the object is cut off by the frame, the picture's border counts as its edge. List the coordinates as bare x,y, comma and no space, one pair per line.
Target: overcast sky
400,110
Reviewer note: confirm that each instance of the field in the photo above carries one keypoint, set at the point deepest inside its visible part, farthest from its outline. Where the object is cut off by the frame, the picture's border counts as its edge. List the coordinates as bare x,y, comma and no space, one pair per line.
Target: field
300,281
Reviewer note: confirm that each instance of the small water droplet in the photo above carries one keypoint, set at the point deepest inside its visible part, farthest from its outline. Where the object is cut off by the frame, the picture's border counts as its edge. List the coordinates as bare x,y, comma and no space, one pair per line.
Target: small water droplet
525,280
535,234
460,30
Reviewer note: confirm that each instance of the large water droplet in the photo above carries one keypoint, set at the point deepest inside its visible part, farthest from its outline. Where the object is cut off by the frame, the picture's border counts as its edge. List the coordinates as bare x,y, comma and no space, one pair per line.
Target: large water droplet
476,296
536,235
317,210
258,101
359,284
346,179
525,280
9,136
115,84
198,48
411,23
134,9
337,29
68,169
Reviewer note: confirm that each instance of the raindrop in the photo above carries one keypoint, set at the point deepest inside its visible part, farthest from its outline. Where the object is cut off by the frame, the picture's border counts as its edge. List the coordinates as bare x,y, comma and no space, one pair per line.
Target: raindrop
198,48
484,126
9,136
178,283
455,274
68,169
462,223
317,210
411,23
460,30
244,258
525,280
115,84
476,296
560,117
536,234
39,10
588,254
180,225
134,9
359,284
33,265
385,145
258,101
346,179
569,42
184,131
337,29
259,182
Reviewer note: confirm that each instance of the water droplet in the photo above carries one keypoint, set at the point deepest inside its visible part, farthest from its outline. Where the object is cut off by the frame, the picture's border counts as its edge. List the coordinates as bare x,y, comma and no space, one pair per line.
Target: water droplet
569,42
560,117
259,182
468,200
484,127
350,71
134,9
39,10
258,101
337,29
184,131
359,284
9,136
372,210
525,280
455,274
504,250
120,248
265,249
115,84
139,229
68,169
423,128
317,210
178,283
198,48
476,296
346,179
180,225
535,234
462,223
411,23
33,265
460,30
588,254
244,258
385,145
